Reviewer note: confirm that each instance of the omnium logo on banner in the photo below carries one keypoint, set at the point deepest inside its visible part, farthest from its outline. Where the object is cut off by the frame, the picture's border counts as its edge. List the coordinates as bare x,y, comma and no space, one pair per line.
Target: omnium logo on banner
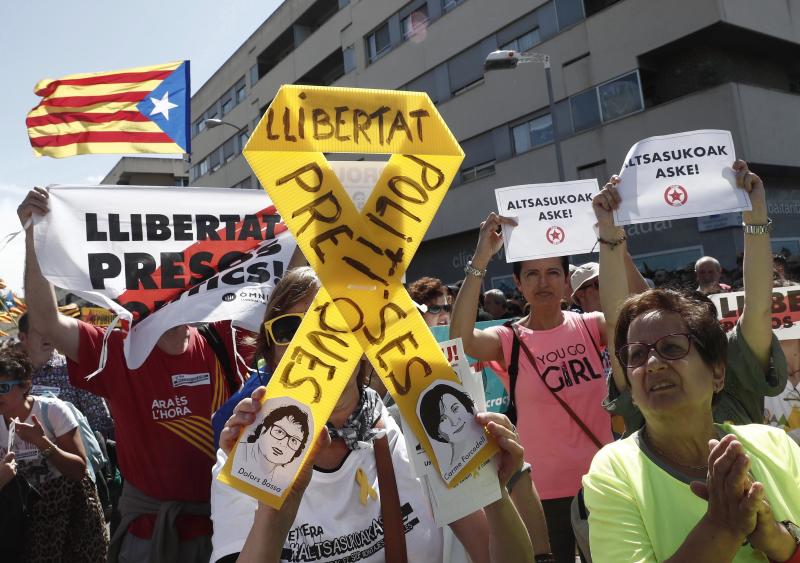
360,258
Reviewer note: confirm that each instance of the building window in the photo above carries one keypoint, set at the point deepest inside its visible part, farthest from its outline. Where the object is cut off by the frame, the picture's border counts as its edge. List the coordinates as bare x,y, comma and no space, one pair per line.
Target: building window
415,21
181,182
241,93
524,42
477,172
243,136
448,5
229,149
533,133
227,105
585,110
254,74
621,96
349,58
214,160
203,167
378,42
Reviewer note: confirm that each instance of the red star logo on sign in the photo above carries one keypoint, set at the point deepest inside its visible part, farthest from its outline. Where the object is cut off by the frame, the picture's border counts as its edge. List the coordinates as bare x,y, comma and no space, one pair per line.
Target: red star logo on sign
675,195
555,235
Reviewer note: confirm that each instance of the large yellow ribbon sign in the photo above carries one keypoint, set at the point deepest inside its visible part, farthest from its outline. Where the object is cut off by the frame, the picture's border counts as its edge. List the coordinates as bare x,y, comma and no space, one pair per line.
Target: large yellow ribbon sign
360,259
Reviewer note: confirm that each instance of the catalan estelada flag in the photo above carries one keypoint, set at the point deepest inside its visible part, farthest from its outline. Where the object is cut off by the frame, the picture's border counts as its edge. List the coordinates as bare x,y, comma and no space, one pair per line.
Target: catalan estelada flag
136,110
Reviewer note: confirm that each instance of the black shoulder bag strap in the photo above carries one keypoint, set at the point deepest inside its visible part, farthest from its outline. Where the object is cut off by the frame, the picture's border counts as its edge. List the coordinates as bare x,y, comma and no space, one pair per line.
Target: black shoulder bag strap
215,341
512,370
564,405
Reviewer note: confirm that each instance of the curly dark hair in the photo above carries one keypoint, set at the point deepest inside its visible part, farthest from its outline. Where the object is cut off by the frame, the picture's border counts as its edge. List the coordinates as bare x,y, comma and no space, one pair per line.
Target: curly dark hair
287,411
429,408
14,364
697,312
427,289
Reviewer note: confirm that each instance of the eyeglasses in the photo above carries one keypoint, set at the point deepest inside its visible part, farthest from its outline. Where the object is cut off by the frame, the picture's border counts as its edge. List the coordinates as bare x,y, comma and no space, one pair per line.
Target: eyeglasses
279,434
282,329
669,347
438,309
595,284
5,386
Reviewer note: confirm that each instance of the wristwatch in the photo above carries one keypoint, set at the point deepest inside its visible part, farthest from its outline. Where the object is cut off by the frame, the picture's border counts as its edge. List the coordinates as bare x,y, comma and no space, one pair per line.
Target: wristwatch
764,229
793,529
471,270
48,451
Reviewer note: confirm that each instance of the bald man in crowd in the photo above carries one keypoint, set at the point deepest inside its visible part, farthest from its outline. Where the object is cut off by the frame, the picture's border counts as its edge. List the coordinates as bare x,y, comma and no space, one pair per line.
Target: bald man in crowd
707,270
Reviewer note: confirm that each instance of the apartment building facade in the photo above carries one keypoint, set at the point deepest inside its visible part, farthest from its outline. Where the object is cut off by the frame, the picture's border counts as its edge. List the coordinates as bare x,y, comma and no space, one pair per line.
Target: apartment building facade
622,70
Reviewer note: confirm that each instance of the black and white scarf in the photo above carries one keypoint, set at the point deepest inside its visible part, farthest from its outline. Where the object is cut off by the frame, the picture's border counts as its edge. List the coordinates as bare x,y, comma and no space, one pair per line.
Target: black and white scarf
359,431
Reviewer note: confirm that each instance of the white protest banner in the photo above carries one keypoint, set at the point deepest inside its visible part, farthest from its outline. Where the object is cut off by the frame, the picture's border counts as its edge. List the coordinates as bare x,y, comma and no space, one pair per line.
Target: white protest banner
785,310
678,176
160,257
553,219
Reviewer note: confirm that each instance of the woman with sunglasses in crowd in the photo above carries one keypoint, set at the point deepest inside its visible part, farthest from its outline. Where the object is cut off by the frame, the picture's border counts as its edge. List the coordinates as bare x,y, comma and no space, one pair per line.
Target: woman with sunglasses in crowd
433,299
65,523
330,509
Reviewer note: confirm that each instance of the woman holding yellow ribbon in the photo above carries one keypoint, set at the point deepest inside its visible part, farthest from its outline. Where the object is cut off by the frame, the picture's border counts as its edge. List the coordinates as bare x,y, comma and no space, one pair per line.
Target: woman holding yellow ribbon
334,511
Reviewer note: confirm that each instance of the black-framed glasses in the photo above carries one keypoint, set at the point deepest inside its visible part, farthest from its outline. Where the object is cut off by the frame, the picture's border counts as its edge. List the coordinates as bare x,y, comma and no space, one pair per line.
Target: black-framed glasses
438,309
669,347
279,434
5,386
282,329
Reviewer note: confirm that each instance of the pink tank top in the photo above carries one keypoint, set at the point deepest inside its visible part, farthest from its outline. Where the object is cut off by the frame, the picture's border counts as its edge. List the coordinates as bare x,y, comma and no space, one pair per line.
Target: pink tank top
558,450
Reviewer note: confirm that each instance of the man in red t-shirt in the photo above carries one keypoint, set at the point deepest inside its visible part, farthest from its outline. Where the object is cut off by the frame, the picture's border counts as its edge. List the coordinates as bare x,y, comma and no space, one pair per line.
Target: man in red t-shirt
162,414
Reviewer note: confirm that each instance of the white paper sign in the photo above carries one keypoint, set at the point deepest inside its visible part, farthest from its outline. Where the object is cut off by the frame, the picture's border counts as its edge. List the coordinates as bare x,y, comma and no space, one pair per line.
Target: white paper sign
785,310
679,176
554,219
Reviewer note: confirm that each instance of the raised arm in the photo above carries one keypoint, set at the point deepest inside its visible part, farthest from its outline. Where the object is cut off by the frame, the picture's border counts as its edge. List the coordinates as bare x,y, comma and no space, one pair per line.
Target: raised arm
755,322
613,271
62,331
482,345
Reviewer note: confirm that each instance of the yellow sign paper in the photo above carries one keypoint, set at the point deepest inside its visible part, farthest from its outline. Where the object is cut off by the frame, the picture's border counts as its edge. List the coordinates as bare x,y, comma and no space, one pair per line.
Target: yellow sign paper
360,259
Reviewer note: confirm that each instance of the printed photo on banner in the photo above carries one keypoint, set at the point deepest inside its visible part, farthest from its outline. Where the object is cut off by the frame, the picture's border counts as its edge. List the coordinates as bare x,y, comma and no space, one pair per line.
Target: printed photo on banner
271,450
553,219
783,411
785,310
159,257
679,176
447,413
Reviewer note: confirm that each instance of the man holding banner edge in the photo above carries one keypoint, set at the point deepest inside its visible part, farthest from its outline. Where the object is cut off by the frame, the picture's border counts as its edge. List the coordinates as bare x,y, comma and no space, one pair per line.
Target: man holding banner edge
152,410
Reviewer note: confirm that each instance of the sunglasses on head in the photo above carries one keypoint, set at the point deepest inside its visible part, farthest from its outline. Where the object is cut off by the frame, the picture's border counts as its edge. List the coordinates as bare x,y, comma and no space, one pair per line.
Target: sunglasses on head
437,309
5,386
282,329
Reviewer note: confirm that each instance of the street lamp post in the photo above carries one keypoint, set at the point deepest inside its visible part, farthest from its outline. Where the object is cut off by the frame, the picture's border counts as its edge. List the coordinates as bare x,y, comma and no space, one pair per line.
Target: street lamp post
212,122
506,59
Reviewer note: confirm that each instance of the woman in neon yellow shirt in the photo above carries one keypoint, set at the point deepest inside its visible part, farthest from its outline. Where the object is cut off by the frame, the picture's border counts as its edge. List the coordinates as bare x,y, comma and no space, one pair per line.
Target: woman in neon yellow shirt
683,488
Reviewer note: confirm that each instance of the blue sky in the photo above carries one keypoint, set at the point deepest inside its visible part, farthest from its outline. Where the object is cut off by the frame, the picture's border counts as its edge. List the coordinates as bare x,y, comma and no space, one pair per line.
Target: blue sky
48,39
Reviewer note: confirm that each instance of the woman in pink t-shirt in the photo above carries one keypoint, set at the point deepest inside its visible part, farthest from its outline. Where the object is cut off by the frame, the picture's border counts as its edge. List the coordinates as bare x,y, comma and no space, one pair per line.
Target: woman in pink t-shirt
560,381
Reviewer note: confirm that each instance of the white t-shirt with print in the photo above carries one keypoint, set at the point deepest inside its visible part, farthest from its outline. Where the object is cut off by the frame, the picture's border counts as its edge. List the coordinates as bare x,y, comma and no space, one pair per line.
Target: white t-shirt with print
331,522
30,462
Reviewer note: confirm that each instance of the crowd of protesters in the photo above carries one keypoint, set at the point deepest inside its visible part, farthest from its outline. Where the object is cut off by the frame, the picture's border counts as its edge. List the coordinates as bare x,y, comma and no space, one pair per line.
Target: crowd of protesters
696,475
